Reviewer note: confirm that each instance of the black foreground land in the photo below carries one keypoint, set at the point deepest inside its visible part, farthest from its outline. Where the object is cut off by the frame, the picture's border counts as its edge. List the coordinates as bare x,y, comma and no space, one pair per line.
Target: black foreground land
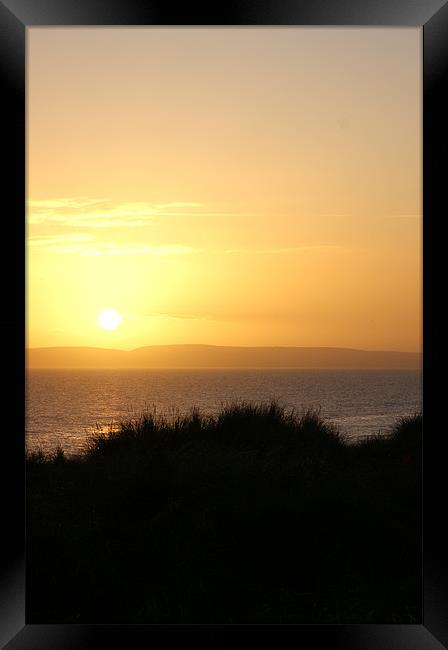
257,515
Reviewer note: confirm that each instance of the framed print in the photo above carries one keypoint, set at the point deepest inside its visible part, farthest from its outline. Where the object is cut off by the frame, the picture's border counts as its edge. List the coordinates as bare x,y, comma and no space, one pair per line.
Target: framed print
214,306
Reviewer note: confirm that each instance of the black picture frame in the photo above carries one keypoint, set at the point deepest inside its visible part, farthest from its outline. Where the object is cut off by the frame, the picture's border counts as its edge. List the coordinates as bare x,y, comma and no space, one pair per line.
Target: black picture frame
15,17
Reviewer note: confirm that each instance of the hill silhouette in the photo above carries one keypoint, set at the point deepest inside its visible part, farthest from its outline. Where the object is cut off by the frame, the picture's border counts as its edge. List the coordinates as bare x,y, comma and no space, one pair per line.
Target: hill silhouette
216,357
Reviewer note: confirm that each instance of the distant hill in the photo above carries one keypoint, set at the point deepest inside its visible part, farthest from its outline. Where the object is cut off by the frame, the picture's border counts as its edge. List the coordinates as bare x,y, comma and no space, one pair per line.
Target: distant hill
213,356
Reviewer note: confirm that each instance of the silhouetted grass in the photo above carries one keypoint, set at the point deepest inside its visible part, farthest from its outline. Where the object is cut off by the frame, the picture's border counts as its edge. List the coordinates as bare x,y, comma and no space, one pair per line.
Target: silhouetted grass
255,515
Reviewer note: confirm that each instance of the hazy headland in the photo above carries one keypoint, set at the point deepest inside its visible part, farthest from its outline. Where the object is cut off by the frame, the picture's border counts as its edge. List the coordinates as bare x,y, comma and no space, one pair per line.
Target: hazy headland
216,356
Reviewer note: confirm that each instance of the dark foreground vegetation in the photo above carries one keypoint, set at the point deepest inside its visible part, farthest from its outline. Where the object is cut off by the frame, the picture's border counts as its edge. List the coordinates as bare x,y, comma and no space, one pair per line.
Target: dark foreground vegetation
255,516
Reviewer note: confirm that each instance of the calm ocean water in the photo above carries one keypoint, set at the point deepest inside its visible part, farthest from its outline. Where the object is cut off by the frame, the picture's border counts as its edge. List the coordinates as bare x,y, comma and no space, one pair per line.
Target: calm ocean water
64,406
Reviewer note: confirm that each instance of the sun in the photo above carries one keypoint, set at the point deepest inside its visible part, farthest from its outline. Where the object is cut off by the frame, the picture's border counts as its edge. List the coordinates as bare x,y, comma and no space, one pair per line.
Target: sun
109,319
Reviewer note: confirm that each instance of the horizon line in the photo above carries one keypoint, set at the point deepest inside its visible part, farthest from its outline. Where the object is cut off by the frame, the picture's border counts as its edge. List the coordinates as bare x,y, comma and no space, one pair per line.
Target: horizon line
213,345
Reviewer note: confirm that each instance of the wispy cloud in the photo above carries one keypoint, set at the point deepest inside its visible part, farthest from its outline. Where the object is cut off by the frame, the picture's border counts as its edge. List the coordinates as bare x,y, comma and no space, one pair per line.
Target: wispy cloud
81,212
403,216
177,204
63,203
90,213
139,249
87,246
332,214
179,316
48,241
276,251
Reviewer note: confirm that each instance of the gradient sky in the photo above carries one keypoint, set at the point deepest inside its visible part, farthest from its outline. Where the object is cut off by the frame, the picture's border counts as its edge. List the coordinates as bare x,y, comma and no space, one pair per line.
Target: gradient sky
231,186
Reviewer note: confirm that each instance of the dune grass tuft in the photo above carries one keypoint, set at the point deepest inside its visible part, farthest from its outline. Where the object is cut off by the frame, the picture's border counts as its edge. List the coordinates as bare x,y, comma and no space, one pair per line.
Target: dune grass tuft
258,514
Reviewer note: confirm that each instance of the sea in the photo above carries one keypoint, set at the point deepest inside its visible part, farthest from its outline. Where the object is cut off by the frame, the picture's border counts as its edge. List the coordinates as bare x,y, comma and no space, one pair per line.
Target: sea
64,407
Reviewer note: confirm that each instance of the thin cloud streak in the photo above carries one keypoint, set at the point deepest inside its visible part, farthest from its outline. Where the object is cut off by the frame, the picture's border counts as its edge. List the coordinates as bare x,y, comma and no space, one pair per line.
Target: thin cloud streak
90,213
86,246
179,316
277,251
80,212
403,216
155,251
177,204
47,242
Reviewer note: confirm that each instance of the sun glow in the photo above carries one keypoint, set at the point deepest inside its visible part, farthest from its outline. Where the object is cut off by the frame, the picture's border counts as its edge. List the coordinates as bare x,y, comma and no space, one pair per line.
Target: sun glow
109,319
203,185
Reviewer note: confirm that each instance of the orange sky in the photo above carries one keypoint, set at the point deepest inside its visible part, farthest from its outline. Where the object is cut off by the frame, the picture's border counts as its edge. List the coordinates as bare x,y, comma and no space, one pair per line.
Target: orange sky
231,186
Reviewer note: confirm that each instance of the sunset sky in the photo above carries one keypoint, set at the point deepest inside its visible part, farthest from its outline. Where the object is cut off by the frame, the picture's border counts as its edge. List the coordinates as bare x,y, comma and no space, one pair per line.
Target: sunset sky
229,186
